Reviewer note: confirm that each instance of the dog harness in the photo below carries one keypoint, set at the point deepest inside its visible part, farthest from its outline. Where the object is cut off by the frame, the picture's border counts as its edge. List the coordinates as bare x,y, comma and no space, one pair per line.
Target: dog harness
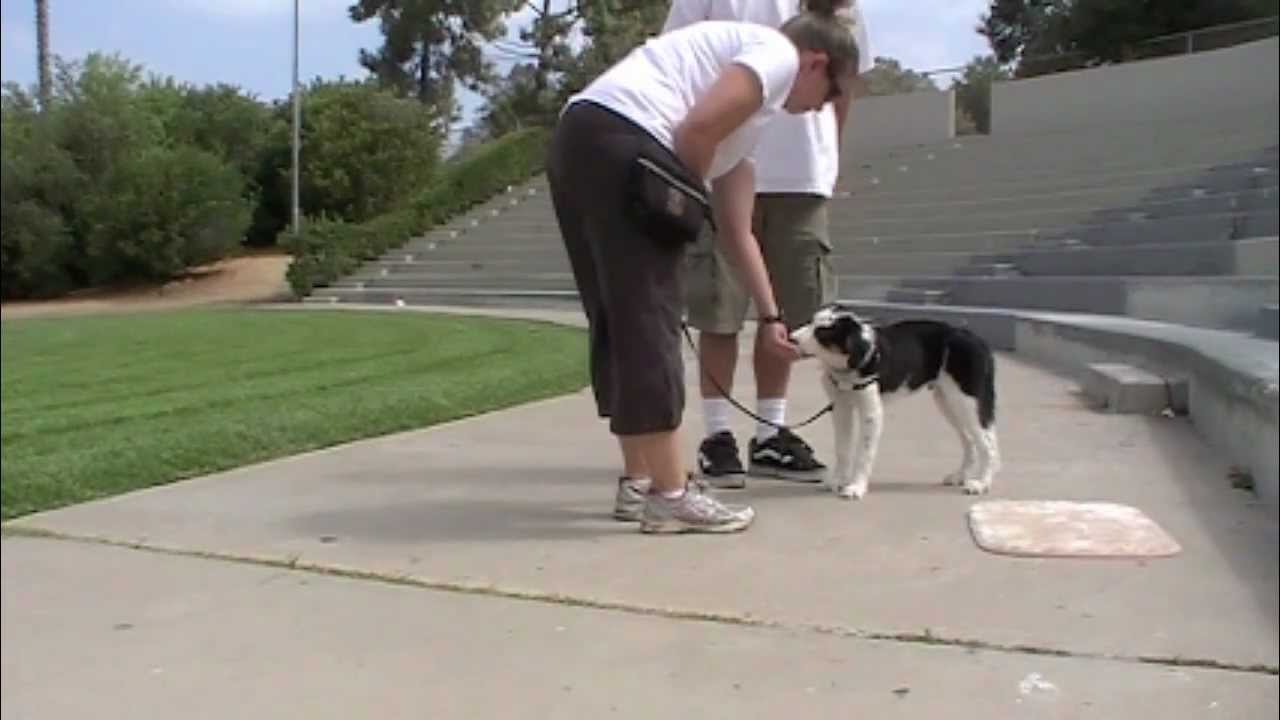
844,381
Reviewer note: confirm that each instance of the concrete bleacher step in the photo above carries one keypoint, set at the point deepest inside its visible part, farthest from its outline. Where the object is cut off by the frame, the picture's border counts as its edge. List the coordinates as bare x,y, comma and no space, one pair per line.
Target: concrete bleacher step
1210,301
917,296
1005,156
849,261
1217,131
521,281
1257,224
1255,256
994,241
1220,227
1239,162
1245,201
542,263
965,190
989,269
1268,322
469,296
1196,228
470,249
1123,388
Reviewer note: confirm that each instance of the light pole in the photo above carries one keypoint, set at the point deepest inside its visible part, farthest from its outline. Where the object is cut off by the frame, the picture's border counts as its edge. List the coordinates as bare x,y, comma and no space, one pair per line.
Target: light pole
297,120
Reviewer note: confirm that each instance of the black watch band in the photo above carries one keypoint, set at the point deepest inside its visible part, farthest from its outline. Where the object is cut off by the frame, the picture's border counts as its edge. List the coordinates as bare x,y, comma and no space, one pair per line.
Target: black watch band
767,319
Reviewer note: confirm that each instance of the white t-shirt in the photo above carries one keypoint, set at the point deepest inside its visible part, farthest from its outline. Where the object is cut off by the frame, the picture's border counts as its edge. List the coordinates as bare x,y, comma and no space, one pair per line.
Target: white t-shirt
796,153
657,83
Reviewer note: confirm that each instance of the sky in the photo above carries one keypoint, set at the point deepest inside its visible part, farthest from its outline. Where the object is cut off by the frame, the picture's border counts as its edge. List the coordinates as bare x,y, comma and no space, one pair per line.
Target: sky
249,42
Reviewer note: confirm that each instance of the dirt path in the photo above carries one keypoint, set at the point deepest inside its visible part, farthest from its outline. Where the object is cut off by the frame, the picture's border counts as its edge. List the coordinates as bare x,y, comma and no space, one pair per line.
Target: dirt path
250,278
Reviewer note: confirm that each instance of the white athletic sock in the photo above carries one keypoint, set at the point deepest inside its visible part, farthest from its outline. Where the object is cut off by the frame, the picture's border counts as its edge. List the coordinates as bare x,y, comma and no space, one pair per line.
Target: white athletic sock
641,482
715,414
773,410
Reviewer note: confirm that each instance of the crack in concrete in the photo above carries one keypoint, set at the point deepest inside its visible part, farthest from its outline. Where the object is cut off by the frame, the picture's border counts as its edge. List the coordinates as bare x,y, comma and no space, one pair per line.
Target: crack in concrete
925,637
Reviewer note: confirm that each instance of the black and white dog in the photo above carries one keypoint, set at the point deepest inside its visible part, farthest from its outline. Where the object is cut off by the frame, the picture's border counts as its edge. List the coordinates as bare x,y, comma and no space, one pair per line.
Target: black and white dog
864,361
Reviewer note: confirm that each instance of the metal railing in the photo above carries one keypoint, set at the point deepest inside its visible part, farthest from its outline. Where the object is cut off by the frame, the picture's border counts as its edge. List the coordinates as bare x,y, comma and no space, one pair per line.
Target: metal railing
1192,41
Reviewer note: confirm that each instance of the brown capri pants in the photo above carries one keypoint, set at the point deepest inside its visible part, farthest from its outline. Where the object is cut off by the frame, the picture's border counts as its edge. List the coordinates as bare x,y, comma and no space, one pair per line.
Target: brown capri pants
631,284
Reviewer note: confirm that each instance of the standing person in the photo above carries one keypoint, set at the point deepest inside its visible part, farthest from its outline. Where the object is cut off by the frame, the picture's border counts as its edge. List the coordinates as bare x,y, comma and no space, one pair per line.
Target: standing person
693,103
797,162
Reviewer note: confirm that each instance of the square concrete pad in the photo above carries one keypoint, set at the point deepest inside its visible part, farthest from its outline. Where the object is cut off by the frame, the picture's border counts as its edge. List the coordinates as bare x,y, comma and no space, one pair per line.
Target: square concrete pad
1054,528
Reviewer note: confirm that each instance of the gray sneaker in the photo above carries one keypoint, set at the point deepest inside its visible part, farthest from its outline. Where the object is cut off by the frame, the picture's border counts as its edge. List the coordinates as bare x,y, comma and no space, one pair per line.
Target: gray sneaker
694,511
628,504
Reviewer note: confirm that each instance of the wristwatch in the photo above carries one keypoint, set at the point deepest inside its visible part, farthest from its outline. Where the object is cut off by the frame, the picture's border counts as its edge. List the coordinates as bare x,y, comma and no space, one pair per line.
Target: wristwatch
767,319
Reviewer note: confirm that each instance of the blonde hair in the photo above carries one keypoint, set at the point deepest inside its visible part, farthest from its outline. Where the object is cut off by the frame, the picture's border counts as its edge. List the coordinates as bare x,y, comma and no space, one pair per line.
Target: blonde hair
826,26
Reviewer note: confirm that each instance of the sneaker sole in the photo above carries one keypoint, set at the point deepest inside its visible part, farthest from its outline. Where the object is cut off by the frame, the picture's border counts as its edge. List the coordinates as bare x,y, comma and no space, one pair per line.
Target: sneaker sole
674,527
804,476
628,515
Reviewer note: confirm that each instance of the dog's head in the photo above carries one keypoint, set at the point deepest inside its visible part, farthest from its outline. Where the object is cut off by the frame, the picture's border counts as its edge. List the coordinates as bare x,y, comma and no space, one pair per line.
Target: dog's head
840,339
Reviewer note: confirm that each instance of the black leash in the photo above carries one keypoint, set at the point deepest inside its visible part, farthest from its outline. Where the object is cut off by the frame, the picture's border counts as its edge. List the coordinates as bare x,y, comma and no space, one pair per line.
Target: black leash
685,327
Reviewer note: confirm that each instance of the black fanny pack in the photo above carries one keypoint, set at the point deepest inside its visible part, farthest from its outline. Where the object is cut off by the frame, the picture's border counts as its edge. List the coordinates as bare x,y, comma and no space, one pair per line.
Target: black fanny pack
667,201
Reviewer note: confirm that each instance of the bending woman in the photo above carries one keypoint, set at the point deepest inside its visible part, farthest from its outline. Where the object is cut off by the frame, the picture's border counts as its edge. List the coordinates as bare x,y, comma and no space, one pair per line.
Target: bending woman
692,102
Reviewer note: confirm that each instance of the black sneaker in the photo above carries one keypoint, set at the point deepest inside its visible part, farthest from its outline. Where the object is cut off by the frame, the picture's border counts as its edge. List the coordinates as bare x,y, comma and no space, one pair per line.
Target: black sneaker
785,456
718,461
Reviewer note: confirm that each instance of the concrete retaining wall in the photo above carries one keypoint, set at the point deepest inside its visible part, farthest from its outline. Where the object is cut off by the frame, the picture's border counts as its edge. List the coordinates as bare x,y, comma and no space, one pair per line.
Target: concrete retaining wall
1258,257
1233,80
1208,301
884,121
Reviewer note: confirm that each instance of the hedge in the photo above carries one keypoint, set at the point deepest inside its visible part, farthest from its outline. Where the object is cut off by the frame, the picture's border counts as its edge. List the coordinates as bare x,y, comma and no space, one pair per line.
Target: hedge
327,249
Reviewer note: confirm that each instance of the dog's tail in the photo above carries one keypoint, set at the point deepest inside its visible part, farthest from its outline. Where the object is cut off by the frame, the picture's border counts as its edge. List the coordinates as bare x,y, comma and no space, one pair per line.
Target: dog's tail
987,394
970,362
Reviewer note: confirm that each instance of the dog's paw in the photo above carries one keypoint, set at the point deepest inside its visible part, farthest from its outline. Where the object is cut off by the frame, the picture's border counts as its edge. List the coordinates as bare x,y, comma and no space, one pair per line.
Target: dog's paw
852,491
954,478
976,487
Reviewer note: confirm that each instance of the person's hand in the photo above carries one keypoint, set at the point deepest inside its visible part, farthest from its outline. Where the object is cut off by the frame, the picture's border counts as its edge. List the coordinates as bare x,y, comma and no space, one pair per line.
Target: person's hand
777,341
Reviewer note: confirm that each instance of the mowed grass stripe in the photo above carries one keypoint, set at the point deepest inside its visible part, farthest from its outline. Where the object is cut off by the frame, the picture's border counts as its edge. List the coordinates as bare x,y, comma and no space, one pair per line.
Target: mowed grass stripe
281,384
95,406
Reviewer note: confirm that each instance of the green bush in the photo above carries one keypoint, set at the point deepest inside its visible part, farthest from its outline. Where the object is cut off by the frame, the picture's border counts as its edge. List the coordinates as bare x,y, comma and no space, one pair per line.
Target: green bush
364,150
35,251
327,248
162,211
41,187
124,178
486,172
121,179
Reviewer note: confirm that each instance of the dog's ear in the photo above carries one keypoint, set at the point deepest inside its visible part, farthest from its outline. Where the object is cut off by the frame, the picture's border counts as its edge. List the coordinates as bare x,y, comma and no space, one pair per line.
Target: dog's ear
861,349
851,342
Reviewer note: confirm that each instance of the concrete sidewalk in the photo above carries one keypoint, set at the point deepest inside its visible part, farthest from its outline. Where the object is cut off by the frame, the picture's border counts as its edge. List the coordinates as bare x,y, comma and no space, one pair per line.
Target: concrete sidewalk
472,570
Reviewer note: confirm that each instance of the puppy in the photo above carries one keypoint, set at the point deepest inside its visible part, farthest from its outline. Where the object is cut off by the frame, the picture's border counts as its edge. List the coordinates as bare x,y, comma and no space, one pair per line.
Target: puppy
864,362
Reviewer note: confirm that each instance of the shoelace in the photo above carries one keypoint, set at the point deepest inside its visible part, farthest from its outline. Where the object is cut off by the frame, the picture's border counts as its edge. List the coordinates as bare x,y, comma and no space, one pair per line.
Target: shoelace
797,447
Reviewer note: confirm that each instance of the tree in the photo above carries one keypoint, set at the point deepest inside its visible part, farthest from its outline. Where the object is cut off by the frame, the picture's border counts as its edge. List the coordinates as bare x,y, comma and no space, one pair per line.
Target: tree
973,90
548,35
612,29
42,52
1051,35
888,77
429,45
368,150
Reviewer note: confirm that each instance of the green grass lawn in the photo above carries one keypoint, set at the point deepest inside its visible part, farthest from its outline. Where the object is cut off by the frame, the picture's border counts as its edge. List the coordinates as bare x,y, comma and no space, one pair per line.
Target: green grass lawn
94,406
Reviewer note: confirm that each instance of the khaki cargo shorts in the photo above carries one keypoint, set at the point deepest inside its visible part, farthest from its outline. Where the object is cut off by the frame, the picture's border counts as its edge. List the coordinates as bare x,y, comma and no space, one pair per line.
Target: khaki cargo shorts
794,238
